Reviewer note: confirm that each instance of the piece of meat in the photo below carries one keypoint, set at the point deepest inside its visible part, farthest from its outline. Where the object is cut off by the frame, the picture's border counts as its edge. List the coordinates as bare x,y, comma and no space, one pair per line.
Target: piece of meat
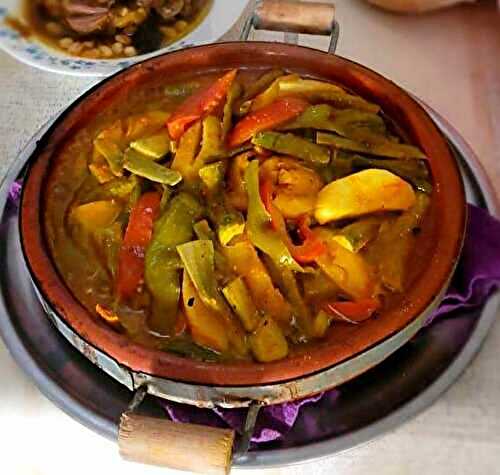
87,7
86,24
87,16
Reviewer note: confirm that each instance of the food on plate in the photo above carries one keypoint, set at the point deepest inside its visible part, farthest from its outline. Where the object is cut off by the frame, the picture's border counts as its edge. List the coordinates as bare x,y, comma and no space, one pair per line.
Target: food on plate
239,215
106,29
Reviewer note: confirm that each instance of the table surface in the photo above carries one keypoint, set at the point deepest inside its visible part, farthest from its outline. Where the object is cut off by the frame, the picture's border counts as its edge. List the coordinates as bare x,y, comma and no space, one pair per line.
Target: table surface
450,60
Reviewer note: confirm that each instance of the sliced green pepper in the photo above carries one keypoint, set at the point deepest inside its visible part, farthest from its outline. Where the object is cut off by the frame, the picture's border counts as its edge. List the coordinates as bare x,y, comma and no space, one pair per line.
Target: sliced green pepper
240,300
414,171
388,149
232,96
198,258
165,197
139,165
262,83
212,175
162,263
258,223
203,231
289,144
155,146
211,142
324,91
229,222
357,235
287,283
112,153
349,123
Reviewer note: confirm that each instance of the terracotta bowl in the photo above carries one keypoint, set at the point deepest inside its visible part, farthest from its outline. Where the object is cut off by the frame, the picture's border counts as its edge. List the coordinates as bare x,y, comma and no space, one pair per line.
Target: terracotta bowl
438,246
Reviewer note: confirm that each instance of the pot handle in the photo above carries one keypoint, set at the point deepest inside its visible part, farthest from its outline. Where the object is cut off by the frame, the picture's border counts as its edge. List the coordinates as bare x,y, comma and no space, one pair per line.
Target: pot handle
196,448
293,17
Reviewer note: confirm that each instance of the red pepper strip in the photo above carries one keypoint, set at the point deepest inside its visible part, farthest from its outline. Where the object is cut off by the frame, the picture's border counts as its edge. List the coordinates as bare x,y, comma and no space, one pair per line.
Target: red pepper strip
137,237
352,312
199,105
275,114
311,248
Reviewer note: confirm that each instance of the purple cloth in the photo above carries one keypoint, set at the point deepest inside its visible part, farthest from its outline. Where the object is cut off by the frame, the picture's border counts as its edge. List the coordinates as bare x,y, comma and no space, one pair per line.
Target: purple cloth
478,272
15,192
477,276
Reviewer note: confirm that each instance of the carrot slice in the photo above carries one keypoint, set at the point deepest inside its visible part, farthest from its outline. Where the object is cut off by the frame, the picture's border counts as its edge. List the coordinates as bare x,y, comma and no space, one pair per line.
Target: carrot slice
352,312
137,237
275,114
199,105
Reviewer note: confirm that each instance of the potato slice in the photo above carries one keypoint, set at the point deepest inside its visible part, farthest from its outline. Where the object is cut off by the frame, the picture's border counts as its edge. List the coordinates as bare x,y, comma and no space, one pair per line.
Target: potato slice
206,326
361,193
268,342
349,271
97,214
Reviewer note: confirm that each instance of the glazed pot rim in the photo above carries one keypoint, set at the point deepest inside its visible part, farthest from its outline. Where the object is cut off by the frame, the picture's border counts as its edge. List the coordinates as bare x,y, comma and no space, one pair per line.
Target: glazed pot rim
168,365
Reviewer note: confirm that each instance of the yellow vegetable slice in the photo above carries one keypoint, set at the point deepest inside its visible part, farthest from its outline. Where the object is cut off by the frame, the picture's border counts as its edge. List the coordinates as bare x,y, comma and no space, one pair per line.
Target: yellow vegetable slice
368,191
98,214
268,342
206,326
240,300
349,271
155,146
244,260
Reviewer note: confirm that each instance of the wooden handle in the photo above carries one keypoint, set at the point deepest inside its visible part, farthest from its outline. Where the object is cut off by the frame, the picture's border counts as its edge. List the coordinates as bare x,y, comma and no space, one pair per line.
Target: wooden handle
170,444
313,18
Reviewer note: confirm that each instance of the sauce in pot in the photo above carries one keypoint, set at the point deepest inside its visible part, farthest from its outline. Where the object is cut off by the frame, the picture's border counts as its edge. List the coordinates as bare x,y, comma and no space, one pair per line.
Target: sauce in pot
237,215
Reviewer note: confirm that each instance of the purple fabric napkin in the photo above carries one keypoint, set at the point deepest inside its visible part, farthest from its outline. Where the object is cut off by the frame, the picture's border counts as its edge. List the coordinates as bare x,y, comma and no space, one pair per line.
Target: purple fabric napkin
477,276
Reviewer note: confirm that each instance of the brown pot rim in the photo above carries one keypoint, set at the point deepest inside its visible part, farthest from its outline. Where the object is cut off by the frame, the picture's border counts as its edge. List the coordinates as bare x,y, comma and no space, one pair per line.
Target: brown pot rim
448,199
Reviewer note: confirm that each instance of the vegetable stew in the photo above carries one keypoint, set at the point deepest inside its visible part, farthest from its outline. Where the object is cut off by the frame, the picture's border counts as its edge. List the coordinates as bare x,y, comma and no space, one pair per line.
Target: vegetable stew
237,215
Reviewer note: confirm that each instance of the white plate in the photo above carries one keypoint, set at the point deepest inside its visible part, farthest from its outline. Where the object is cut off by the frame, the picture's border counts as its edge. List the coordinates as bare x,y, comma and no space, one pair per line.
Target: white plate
219,20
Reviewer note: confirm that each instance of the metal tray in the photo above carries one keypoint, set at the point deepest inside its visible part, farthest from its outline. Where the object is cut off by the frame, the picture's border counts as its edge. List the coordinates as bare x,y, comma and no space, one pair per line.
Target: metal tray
430,362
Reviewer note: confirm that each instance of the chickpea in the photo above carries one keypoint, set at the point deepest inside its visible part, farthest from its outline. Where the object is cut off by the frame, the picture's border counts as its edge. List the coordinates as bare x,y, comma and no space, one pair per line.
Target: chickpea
130,51
88,44
181,25
123,39
106,51
93,53
117,48
55,29
75,48
65,42
169,32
